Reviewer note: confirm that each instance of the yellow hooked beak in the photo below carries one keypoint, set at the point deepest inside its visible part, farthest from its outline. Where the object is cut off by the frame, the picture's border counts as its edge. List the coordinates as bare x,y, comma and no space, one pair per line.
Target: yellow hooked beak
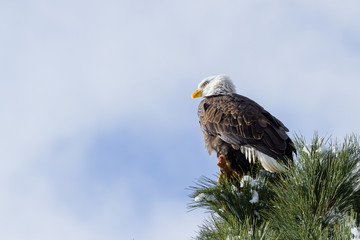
197,93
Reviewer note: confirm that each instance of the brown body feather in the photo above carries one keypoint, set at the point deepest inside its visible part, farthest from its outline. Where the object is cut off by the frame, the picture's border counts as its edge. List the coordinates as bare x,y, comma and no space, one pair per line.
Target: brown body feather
231,121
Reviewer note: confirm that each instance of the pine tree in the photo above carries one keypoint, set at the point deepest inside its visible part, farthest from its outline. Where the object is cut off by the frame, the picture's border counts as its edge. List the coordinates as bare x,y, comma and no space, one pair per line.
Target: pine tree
318,197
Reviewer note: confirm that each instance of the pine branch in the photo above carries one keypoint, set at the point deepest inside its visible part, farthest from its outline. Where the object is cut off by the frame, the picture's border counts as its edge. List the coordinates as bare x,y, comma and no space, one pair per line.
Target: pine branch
317,198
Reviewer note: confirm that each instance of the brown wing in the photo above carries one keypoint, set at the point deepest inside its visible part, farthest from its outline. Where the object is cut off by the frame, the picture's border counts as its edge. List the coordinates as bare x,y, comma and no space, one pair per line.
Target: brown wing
238,121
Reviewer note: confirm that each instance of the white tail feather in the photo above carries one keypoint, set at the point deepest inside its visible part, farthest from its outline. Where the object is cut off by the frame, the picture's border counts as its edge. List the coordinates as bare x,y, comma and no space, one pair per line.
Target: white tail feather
269,163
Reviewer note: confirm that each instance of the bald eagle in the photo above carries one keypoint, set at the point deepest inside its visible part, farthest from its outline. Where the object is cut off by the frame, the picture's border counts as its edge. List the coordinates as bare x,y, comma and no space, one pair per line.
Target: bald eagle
239,130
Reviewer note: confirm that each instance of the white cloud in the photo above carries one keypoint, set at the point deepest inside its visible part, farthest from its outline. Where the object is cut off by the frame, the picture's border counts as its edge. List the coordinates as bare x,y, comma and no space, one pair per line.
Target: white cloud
169,220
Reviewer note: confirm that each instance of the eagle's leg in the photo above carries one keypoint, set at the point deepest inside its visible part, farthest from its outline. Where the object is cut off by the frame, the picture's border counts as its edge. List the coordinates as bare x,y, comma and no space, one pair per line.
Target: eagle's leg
226,171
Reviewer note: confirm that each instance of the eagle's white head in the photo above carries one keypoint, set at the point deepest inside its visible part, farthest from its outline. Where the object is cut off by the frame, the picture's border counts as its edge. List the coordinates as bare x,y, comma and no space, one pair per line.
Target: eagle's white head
214,85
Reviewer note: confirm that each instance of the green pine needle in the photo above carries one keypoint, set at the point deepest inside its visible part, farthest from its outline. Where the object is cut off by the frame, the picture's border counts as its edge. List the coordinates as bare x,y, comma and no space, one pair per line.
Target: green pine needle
318,197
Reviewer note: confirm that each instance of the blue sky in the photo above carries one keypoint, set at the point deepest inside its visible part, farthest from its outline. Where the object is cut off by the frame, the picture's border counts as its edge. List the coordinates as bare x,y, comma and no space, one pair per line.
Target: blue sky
100,137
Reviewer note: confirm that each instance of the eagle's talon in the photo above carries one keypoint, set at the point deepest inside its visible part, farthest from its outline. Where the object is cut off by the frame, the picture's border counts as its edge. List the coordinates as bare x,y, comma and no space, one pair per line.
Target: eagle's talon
225,169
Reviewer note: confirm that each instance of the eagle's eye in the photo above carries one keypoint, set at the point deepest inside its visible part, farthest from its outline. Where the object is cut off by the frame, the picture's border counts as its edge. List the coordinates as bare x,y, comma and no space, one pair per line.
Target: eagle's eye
203,85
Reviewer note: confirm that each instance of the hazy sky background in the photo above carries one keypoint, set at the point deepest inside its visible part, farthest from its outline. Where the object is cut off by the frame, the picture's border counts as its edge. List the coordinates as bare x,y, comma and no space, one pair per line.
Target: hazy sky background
100,137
